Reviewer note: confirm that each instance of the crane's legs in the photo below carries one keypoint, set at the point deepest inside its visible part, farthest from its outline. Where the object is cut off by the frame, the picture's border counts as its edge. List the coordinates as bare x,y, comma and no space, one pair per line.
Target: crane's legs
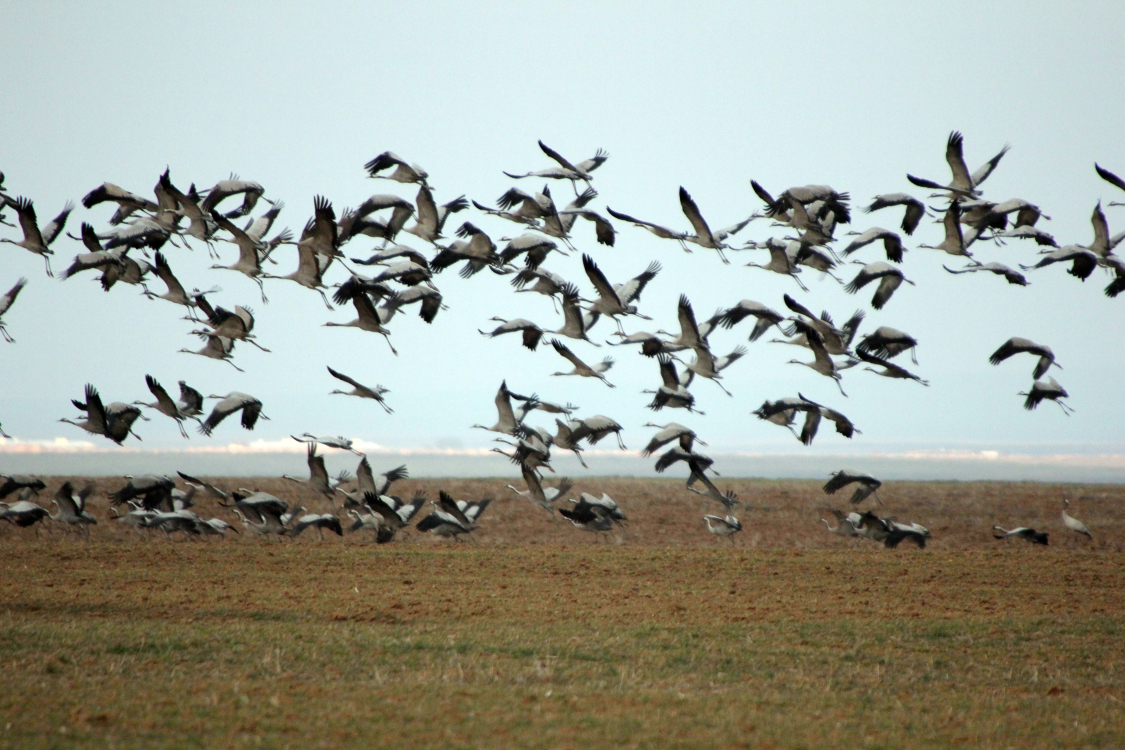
716,382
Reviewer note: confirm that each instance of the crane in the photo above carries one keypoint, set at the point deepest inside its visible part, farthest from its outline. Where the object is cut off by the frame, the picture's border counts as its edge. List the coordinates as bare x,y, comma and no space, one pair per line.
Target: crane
175,291
1082,261
431,219
479,251
6,302
1012,276
223,189
318,521
318,475
915,209
368,319
391,514
605,501
530,332
35,239
892,243
618,299
954,242
867,485
703,236
404,172
822,362
889,369
844,525
723,526
595,428
1048,390
506,422
72,507
114,421
1073,523
166,406
780,262
236,325
672,393
231,403
1017,345
581,368
98,257
23,513
588,517
887,342
1022,532
360,390
765,316
217,347
250,251
890,278
359,221
450,518
656,229
669,432
565,169
963,184
540,495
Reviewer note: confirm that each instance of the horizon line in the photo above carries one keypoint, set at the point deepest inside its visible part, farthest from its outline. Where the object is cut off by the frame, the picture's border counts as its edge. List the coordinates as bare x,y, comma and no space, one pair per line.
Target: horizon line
65,446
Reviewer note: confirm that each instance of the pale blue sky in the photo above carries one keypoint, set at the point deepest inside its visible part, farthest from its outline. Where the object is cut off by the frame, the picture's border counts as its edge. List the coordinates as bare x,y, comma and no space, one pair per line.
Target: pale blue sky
299,96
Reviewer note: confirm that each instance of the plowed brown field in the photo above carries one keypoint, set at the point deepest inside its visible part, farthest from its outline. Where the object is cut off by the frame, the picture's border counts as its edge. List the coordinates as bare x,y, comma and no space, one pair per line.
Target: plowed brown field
541,636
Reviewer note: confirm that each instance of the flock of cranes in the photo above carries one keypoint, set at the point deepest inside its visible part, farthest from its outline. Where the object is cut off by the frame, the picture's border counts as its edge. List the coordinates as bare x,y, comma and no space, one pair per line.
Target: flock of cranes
161,228
154,503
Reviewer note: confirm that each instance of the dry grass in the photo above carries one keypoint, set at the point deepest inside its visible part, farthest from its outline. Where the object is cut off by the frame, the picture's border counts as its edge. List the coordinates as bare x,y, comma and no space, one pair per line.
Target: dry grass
792,639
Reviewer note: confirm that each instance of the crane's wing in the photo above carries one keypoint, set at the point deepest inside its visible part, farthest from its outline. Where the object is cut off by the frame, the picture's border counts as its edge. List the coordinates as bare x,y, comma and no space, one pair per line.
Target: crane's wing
691,211
447,505
162,396
598,279
642,223
164,271
668,373
1109,177
564,351
631,290
345,378
533,484
955,157
688,328
797,307
557,157
986,169
838,481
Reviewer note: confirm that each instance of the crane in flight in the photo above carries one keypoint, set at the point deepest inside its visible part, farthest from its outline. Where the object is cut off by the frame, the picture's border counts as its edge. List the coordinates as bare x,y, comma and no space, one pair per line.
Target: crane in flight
963,184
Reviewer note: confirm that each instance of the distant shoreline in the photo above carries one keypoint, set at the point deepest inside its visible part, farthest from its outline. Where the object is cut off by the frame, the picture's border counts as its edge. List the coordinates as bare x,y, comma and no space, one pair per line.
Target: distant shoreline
956,467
